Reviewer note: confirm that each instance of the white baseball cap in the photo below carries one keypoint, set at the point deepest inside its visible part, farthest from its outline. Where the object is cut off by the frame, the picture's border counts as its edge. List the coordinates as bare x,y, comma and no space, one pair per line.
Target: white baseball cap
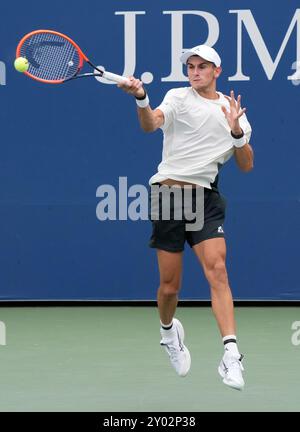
204,51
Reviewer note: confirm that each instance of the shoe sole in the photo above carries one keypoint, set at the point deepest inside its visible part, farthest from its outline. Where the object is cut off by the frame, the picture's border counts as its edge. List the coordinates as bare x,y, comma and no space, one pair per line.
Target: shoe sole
180,330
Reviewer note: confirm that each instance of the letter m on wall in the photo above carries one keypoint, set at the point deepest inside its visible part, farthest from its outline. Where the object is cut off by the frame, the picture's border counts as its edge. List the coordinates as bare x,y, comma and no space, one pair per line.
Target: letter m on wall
245,17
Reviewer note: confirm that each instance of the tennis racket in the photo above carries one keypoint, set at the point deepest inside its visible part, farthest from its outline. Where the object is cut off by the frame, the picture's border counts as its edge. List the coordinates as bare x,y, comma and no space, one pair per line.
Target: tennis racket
54,58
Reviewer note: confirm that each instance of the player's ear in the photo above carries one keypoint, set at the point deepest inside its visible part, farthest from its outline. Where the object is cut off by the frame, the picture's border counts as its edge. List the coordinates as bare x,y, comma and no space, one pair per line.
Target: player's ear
218,71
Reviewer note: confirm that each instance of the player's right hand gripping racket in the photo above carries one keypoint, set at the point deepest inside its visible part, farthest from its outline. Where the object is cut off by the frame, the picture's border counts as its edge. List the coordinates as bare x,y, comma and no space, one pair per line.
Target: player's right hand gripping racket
54,58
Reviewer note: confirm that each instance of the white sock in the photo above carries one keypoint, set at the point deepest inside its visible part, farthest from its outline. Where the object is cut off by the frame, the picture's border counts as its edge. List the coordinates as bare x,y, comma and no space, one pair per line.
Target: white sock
166,326
230,344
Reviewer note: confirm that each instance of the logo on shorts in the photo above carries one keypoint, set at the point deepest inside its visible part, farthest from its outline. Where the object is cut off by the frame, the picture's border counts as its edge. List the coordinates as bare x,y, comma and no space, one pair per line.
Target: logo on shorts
220,229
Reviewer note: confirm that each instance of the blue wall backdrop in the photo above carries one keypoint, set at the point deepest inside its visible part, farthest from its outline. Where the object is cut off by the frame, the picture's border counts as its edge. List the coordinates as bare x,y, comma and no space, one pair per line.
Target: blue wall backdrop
60,143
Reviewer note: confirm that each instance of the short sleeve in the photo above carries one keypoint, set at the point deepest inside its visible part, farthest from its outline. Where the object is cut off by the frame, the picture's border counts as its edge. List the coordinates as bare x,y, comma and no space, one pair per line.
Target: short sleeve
169,107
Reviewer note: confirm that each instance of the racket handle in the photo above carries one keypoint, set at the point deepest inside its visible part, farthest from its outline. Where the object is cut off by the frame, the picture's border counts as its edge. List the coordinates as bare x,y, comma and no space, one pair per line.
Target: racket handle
116,78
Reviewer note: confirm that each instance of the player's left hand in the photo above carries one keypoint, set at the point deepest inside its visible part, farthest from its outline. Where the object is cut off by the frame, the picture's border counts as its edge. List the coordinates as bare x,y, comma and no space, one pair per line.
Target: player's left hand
234,113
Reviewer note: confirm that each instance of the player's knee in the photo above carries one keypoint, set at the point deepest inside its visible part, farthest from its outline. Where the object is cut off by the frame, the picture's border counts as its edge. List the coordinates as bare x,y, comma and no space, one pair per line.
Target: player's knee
216,272
169,288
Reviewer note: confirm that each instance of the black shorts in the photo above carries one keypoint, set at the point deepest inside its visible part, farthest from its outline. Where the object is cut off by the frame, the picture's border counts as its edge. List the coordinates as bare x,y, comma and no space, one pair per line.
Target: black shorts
170,235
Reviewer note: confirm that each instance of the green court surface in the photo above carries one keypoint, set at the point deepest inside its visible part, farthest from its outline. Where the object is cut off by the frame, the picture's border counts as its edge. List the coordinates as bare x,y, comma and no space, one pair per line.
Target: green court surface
109,359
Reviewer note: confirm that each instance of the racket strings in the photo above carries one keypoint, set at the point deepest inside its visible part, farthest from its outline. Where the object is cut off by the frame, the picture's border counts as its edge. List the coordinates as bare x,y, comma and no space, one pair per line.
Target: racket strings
50,56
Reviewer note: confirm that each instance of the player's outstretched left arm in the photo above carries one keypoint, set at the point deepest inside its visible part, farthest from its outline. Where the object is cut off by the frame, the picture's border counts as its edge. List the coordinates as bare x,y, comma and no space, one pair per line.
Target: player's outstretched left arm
244,154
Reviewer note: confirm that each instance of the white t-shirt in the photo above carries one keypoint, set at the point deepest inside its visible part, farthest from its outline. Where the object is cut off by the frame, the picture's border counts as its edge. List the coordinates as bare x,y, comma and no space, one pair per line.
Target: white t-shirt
197,137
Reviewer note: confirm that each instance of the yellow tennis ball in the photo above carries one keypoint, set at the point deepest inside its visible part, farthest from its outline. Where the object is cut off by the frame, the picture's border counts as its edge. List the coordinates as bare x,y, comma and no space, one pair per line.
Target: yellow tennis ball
21,64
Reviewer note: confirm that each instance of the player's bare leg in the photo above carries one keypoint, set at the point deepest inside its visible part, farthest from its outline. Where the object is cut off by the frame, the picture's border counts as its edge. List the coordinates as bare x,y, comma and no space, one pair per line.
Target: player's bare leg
172,333
170,269
212,255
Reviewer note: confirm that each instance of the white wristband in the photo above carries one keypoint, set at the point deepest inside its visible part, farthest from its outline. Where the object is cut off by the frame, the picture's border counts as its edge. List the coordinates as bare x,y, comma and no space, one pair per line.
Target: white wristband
240,142
143,103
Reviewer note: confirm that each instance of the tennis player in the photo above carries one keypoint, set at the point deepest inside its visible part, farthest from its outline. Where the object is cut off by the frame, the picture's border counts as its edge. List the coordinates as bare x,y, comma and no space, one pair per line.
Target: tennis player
202,129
